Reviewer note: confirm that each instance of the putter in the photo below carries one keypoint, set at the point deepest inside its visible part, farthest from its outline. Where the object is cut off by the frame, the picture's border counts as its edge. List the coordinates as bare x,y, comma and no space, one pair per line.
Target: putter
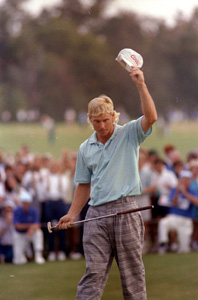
55,228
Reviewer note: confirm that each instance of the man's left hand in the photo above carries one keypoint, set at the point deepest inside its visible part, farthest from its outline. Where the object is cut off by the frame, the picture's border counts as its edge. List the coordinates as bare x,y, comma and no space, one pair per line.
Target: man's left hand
137,76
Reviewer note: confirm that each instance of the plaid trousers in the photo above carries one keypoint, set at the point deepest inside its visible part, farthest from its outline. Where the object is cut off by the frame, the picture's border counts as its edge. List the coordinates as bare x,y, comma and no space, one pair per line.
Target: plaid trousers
120,237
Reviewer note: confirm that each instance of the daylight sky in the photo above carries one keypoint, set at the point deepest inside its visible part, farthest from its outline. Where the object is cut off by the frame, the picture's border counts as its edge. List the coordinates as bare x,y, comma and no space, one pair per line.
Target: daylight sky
166,9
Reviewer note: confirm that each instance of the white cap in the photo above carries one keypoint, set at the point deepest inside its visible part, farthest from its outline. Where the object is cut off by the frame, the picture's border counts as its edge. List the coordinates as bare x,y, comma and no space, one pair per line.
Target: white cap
25,197
185,174
129,58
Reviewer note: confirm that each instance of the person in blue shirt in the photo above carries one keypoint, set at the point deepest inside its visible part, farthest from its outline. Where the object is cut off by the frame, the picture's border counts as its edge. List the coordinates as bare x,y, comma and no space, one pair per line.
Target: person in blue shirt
193,167
107,174
180,216
27,229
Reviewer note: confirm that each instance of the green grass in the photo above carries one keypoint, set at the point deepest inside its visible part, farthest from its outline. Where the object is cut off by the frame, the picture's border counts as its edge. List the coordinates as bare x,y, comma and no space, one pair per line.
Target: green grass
13,136
172,276
169,277
182,135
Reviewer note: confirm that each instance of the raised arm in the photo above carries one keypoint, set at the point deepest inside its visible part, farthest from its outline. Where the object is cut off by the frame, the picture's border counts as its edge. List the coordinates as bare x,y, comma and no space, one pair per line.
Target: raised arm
147,104
81,197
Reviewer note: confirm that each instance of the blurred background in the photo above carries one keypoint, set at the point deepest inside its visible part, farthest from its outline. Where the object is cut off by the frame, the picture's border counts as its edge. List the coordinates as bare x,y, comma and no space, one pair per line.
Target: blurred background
55,56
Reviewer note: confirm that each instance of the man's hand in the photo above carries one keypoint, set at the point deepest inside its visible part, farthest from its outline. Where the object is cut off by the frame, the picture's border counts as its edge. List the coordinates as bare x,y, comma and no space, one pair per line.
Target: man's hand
32,228
65,222
81,197
9,218
137,76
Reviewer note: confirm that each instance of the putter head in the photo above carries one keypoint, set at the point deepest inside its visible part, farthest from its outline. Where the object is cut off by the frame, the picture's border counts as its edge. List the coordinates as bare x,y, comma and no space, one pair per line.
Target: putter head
129,58
49,227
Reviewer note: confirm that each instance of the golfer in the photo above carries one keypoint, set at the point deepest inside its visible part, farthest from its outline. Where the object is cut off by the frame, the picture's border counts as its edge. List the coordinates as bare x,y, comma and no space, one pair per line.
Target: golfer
107,173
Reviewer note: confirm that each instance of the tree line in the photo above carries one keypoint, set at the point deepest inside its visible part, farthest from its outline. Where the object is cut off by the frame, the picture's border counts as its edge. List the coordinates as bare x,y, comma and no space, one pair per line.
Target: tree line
65,56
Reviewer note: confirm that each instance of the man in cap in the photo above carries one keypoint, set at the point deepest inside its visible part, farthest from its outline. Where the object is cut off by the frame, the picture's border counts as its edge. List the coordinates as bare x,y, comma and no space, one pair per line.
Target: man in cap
180,215
193,167
27,229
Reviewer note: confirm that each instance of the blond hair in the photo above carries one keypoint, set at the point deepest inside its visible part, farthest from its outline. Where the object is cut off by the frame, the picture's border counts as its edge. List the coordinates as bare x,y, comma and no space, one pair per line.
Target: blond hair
101,105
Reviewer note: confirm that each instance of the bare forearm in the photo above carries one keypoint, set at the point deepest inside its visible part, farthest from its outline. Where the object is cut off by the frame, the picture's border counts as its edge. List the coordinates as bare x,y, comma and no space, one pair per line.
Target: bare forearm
81,196
147,104
192,198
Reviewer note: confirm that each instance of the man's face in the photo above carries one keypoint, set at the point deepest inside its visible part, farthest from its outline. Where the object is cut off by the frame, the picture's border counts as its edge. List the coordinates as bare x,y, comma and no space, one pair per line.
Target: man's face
103,124
185,181
26,206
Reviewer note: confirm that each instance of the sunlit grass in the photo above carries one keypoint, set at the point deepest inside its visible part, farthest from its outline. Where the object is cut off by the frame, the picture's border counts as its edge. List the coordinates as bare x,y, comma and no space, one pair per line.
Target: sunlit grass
13,136
168,277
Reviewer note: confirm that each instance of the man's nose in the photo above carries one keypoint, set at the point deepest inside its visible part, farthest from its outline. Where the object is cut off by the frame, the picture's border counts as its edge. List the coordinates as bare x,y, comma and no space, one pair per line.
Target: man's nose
102,125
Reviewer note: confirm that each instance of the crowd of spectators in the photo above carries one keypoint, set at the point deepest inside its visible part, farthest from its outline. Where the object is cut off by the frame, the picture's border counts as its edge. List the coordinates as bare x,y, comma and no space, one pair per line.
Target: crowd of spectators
35,189
170,184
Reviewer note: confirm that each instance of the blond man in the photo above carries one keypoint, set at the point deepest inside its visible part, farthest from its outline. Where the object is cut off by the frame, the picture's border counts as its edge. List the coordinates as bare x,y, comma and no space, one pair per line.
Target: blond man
107,174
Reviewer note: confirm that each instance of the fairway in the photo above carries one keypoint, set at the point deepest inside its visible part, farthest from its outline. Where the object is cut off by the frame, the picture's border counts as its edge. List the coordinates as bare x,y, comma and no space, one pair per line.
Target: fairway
169,277
13,136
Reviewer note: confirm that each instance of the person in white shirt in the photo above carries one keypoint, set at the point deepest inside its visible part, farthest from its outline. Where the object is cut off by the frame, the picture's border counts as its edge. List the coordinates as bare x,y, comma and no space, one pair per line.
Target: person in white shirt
166,181
57,186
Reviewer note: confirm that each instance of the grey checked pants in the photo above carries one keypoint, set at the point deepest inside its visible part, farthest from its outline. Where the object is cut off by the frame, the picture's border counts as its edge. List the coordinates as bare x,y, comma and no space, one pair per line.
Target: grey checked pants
119,237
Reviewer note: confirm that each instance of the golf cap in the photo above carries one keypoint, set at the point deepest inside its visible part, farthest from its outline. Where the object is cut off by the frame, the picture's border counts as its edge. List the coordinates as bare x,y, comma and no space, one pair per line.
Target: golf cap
129,58
185,174
25,197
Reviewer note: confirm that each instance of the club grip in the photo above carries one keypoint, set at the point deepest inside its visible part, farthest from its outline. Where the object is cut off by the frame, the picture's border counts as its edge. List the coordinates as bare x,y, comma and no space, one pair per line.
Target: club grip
135,210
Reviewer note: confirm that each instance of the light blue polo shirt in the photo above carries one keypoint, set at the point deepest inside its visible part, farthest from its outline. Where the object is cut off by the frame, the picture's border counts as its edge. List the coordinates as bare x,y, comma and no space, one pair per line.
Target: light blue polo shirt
112,168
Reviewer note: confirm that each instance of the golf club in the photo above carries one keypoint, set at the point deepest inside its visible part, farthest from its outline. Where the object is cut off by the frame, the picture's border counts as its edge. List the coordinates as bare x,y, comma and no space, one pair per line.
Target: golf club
55,228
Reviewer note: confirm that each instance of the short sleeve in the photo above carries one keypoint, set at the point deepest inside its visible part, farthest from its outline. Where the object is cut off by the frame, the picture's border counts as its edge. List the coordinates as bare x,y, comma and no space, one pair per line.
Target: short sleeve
136,133
82,172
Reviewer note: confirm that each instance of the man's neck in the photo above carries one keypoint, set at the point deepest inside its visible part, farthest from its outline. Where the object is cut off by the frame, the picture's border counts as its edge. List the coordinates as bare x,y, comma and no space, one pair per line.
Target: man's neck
104,139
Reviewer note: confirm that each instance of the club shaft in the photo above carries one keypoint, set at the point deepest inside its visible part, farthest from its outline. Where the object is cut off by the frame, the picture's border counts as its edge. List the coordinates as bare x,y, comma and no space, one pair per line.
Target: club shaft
111,215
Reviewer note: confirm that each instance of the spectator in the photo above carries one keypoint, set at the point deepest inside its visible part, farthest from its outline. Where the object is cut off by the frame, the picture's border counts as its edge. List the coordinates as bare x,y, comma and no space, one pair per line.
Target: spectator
2,194
19,170
49,124
172,155
24,155
11,190
33,172
57,185
35,182
165,182
148,187
73,237
178,166
192,155
193,167
6,233
167,151
27,229
180,215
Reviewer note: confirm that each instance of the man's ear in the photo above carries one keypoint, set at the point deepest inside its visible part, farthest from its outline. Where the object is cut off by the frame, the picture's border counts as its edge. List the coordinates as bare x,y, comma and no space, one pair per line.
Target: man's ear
113,115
